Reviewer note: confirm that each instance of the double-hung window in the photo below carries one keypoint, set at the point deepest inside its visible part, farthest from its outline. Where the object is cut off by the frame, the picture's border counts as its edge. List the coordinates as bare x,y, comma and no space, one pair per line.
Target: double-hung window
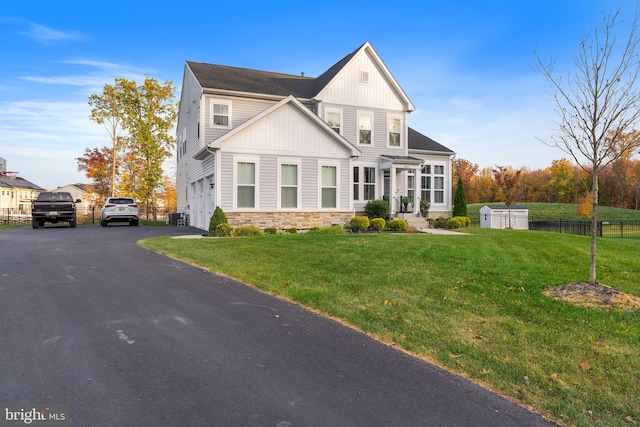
365,128
369,183
334,119
220,113
289,190
425,183
394,132
328,187
245,184
438,184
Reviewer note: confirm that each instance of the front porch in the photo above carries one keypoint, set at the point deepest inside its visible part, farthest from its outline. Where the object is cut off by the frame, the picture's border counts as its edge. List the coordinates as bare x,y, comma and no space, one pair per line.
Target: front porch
401,193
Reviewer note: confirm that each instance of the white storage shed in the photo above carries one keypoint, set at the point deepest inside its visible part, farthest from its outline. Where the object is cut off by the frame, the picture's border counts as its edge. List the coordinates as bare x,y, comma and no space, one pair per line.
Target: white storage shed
497,216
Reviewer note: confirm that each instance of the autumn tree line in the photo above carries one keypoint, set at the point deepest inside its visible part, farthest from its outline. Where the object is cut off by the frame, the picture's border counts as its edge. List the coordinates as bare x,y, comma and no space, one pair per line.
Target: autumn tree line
139,120
561,182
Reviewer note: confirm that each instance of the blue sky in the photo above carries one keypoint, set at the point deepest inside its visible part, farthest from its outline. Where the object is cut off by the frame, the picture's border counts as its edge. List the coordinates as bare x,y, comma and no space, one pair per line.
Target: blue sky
467,66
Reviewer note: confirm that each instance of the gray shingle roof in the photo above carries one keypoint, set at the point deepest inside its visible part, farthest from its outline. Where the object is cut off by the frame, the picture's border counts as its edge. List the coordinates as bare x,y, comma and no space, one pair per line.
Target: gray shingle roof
418,141
18,182
223,77
212,76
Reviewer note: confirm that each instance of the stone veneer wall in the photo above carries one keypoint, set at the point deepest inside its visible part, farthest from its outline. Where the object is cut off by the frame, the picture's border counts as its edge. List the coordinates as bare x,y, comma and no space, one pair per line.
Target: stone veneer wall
438,214
286,220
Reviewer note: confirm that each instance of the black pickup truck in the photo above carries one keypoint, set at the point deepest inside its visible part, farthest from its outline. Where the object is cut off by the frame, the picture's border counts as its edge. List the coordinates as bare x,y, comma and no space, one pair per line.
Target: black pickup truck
53,207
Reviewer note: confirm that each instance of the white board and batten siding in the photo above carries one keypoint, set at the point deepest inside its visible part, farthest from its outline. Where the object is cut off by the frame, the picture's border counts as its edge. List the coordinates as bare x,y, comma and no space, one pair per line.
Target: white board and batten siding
348,87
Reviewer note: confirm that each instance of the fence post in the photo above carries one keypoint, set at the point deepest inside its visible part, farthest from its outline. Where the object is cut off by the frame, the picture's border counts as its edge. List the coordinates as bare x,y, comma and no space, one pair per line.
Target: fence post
621,229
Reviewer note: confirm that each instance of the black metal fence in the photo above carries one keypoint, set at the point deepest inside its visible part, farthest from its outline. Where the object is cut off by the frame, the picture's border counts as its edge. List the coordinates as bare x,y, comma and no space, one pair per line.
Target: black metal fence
620,229
84,215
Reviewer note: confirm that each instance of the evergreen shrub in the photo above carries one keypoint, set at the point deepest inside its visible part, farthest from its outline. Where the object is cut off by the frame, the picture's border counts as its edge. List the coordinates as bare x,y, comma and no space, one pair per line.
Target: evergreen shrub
359,223
397,225
378,224
217,218
376,209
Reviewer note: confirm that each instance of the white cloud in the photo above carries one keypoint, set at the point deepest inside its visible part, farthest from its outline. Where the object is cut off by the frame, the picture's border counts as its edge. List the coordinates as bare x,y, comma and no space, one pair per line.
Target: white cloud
48,35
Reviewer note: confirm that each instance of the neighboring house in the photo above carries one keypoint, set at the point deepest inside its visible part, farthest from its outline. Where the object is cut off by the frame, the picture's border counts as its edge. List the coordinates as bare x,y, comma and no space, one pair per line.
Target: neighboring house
284,151
85,193
16,193
497,216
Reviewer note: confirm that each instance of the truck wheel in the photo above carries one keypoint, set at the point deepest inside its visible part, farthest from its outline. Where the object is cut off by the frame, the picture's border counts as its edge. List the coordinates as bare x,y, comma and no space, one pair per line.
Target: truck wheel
72,224
35,223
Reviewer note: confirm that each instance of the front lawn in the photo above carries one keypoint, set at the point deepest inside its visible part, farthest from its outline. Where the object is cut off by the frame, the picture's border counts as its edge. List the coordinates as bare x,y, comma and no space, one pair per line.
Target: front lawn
472,304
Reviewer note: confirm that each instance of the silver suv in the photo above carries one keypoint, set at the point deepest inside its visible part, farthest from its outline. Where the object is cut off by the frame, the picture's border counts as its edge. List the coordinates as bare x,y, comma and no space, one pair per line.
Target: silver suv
119,209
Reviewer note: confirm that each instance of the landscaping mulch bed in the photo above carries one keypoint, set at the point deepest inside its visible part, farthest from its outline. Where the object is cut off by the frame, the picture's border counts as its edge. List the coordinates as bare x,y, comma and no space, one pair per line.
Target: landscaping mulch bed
598,295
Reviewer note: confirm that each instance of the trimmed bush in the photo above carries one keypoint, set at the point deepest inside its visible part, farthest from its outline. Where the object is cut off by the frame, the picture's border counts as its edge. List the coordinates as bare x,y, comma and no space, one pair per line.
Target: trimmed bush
376,209
291,230
270,231
247,230
334,229
359,223
397,225
217,218
378,224
223,230
440,222
465,221
454,222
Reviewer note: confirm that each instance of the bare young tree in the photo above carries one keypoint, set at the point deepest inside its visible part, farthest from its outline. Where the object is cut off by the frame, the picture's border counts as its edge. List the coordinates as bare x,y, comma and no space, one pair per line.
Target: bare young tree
597,104
509,182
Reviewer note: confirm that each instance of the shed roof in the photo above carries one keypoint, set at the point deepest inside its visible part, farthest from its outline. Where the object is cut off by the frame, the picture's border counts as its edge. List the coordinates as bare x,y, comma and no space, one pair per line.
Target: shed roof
505,207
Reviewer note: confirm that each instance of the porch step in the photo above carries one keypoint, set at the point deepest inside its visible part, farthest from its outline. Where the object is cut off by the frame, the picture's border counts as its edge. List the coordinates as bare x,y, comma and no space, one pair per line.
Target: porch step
413,220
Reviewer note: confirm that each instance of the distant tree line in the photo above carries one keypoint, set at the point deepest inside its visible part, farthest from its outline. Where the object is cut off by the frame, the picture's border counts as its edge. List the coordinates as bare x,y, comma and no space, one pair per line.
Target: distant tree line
561,182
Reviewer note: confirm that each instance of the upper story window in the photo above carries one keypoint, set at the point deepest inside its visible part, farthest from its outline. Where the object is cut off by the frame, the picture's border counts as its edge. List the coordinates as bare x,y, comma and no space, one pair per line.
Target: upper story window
394,132
220,113
365,128
334,119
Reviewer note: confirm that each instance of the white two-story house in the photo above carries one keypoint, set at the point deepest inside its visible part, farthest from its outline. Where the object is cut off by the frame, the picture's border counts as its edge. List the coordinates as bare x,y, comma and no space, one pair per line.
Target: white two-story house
290,151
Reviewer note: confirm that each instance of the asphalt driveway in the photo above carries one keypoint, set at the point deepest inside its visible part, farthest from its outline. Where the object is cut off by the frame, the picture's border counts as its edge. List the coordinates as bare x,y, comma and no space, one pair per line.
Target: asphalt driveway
127,337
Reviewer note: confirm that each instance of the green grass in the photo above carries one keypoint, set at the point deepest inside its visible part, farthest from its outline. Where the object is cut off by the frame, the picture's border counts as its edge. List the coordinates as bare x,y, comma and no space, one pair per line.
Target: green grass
555,211
471,304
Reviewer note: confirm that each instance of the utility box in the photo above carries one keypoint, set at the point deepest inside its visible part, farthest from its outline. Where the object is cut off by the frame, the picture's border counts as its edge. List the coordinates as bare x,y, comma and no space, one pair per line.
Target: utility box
500,216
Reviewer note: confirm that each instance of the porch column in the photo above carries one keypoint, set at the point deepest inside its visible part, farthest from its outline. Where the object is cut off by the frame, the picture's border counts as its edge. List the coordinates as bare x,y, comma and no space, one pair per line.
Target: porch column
392,190
416,187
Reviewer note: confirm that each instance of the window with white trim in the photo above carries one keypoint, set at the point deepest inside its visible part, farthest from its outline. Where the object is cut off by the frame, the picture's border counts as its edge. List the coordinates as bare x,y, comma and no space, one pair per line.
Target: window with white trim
369,192
438,184
393,136
425,183
289,190
220,115
356,183
365,128
328,187
364,182
334,119
245,184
